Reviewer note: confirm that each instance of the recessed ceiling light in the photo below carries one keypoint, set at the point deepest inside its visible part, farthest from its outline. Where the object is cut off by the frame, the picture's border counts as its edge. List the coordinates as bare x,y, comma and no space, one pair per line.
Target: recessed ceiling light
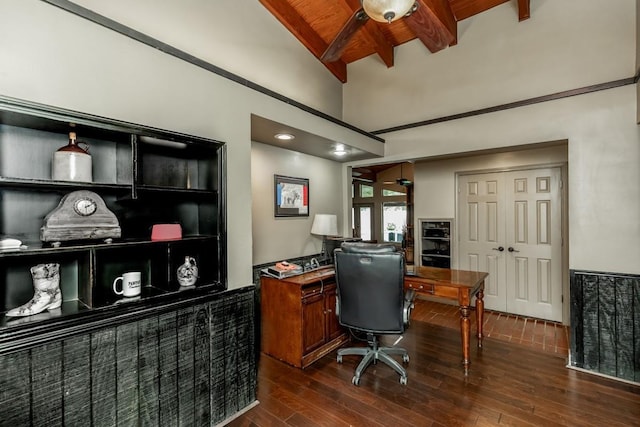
284,136
339,150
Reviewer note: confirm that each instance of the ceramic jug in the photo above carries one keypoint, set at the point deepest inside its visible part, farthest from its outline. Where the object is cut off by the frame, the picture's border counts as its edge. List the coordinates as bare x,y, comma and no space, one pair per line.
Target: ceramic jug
188,272
72,162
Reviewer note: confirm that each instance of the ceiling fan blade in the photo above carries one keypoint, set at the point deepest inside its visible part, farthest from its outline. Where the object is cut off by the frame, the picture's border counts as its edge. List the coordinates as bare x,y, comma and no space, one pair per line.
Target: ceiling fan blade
435,30
339,43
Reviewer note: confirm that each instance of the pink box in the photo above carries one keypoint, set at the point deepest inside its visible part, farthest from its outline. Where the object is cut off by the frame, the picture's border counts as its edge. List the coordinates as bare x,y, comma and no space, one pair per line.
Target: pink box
166,232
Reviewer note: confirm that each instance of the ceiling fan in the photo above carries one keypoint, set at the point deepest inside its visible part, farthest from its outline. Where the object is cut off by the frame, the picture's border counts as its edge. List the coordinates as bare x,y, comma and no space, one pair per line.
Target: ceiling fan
385,11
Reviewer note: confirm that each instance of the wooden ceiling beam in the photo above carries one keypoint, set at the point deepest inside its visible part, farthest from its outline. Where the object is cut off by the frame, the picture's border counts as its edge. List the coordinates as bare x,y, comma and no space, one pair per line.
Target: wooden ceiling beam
524,10
434,24
374,36
463,9
288,17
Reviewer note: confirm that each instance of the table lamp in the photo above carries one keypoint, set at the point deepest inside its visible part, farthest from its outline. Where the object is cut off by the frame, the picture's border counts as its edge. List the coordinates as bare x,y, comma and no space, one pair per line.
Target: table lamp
325,225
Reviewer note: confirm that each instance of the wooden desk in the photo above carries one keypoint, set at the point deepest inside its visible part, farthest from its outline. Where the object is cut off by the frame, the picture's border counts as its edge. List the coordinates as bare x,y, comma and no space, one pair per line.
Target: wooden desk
458,285
299,325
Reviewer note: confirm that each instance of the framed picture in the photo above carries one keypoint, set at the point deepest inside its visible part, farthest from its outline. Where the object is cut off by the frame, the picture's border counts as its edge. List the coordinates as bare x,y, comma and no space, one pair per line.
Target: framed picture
291,196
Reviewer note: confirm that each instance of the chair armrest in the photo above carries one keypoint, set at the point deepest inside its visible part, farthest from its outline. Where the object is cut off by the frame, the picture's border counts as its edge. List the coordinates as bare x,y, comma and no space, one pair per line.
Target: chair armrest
408,306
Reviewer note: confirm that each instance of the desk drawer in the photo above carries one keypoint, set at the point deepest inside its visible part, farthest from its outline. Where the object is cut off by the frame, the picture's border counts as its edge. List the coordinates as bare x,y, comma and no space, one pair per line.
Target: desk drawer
425,288
317,288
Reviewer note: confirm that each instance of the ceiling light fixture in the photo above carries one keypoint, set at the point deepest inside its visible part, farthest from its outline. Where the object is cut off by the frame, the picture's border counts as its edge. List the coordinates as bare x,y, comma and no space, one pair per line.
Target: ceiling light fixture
402,180
387,10
339,150
284,136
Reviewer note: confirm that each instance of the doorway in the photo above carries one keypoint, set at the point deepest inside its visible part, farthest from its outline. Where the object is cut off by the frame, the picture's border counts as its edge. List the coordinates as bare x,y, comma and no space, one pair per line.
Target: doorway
510,225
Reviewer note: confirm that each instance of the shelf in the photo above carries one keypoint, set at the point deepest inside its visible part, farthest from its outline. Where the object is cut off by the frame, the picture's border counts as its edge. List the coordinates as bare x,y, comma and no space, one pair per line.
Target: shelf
145,176
175,191
68,309
40,248
61,186
75,318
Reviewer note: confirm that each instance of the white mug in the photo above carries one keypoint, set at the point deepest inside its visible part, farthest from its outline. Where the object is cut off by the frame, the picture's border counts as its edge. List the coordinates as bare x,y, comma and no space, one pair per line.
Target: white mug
131,284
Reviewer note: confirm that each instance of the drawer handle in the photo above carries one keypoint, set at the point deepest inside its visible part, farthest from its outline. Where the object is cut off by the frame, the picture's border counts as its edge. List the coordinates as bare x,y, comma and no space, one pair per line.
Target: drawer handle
422,288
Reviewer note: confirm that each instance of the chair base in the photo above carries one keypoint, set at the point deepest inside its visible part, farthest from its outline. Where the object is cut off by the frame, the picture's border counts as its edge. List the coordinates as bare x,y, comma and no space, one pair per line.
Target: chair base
372,355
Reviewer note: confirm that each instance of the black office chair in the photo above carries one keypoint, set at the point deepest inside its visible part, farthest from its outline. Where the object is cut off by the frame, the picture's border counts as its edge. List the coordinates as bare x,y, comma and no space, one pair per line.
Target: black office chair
371,300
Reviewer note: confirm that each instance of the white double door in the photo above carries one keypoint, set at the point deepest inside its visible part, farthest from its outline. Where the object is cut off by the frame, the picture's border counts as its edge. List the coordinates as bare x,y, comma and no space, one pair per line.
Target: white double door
510,225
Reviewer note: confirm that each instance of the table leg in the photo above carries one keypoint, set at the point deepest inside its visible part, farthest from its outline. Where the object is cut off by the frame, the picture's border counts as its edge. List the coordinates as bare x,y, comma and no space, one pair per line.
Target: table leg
480,315
465,330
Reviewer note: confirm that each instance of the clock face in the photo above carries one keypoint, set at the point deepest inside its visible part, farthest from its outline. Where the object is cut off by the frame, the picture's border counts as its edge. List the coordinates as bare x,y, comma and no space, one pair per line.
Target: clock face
85,206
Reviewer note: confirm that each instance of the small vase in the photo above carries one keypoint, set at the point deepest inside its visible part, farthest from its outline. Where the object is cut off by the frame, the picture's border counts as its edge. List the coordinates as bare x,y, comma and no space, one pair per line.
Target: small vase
188,272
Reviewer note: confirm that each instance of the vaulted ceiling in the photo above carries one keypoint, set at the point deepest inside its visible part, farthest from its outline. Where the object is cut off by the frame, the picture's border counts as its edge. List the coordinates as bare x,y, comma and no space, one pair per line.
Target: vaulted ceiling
338,32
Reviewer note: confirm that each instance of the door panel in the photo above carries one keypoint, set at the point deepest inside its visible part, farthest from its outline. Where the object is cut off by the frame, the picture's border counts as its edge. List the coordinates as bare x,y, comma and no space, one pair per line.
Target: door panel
481,230
534,233
333,325
510,227
313,327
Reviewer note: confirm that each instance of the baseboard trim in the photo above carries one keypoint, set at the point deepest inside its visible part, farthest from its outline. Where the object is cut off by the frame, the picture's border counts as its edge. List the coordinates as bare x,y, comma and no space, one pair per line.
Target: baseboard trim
598,374
237,414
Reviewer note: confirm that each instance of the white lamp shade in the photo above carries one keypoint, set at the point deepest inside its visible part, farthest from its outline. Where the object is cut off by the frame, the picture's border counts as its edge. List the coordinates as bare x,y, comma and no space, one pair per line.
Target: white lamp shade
387,10
325,225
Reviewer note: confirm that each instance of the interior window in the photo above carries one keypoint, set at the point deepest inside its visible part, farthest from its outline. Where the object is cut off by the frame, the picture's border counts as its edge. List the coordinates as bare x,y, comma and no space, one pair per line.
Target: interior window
366,190
363,221
390,193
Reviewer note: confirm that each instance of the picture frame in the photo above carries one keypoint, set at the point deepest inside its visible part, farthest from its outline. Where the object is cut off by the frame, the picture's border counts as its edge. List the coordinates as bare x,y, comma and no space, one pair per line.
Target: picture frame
291,196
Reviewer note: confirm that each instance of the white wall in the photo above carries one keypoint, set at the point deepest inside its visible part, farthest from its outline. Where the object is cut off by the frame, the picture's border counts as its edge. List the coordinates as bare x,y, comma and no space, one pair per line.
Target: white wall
241,37
558,51
53,57
566,44
603,155
277,239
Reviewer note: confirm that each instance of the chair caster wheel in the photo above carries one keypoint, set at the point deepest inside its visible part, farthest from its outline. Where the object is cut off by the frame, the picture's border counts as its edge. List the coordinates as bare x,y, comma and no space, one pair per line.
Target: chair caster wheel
405,358
403,380
356,380
339,358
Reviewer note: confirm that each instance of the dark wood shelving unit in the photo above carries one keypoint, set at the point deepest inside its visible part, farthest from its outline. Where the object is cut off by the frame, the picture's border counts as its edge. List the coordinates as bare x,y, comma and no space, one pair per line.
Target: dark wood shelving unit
175,353
145,176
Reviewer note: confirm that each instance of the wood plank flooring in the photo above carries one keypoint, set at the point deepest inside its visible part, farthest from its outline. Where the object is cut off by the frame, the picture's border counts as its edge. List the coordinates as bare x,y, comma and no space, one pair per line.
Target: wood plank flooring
510,383
537,334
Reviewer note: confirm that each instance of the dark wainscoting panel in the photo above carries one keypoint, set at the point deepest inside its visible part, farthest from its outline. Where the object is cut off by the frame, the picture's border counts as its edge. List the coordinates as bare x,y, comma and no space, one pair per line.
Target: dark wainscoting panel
192,366
605,323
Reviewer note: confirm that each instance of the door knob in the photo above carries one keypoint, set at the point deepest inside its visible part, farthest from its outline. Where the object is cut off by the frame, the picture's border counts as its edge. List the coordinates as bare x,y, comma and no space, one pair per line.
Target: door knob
512,250
500,248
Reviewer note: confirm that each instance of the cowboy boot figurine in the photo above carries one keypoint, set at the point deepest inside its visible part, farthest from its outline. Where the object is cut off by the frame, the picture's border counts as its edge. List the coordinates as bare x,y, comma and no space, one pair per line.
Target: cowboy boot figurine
46,296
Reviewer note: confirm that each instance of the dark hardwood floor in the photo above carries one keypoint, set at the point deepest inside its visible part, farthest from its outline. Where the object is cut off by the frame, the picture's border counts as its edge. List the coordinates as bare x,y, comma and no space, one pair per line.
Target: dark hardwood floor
508,384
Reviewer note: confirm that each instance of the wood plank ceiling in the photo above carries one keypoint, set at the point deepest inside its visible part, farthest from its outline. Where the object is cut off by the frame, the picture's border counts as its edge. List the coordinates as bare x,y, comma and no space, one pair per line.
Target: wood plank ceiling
338,32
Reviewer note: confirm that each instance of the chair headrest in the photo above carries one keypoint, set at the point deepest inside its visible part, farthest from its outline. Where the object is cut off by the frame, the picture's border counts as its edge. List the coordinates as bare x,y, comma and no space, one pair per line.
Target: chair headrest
367,248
